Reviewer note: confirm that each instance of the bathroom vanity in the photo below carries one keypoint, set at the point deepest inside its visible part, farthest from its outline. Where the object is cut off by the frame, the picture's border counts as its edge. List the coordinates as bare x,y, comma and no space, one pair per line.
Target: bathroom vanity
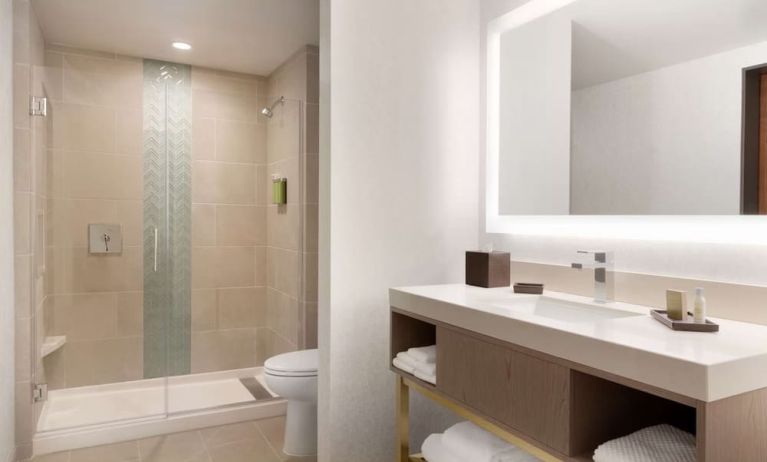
558,374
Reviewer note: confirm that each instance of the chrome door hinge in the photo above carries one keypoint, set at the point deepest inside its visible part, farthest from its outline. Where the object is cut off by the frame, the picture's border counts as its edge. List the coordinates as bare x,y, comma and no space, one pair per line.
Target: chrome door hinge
39,392
38,106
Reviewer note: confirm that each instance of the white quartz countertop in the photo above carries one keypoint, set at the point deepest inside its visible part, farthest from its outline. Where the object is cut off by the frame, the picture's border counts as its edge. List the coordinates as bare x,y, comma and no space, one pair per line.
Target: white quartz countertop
702,366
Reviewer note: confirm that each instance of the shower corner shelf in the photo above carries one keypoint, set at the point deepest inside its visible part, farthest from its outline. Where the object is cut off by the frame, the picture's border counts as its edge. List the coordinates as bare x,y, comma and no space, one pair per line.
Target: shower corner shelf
51,344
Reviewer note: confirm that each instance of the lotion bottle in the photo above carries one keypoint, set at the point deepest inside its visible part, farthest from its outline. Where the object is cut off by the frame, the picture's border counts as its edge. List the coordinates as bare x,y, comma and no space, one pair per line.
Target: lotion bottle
699,312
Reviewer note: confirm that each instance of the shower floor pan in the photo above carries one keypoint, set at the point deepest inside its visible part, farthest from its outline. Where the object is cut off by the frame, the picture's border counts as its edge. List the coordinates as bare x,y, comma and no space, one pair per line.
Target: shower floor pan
102,414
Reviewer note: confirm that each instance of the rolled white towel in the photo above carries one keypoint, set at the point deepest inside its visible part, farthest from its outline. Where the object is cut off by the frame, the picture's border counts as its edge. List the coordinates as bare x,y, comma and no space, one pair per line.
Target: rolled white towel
660,443
427,354
431,378
434,450
426,368
404,357
403,366
473,443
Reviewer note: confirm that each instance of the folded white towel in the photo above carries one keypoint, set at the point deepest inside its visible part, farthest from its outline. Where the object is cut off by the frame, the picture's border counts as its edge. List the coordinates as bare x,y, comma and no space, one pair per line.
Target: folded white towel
434,450
401,365
431,378
427,354
470,442
660,443
405,358
426,368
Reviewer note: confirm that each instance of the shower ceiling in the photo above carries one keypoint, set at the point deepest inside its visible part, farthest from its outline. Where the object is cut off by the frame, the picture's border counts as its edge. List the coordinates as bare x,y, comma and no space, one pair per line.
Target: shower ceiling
251,36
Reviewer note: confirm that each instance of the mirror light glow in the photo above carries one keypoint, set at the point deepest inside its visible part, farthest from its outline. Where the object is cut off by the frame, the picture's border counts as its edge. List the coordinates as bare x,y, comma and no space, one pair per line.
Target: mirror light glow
689,228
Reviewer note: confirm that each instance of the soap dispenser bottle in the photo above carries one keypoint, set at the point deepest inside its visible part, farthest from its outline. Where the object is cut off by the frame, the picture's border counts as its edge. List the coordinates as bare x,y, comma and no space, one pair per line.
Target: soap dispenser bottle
699,312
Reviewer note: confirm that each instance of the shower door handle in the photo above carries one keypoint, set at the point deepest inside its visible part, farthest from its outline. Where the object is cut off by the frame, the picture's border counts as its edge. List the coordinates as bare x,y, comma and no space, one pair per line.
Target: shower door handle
155,250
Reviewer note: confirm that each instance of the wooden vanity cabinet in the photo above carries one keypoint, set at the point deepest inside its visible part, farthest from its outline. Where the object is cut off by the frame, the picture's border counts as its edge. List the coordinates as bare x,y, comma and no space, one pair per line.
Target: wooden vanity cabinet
563,408
517,390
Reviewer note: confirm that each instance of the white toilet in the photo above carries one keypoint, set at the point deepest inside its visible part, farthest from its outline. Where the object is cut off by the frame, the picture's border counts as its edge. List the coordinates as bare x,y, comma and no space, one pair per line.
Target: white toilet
293,376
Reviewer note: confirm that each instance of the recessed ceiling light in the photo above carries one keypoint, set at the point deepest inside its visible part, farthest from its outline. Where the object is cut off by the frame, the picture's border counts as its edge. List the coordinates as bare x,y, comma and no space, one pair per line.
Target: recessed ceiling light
182,46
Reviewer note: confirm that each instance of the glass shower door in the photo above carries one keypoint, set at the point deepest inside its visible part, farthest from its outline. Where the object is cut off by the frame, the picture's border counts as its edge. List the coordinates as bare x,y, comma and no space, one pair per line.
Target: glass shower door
102,168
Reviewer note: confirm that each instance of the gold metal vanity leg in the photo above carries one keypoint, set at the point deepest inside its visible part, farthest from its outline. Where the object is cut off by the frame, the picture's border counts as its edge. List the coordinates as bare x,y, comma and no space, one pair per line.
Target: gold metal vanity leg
403,421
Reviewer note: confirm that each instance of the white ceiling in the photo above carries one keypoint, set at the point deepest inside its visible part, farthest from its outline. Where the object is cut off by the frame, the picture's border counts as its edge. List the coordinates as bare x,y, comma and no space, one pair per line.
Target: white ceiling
618,38
252,36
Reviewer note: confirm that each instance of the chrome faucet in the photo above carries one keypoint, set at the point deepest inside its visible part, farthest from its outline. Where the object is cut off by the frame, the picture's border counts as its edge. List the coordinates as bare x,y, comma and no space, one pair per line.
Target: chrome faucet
602,263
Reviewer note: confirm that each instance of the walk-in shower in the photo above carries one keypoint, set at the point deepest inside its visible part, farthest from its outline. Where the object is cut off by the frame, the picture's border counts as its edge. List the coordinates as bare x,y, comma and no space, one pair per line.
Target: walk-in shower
171,332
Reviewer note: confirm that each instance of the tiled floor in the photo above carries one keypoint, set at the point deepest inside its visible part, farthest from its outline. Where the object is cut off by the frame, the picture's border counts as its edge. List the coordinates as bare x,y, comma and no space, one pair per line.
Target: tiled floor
259,441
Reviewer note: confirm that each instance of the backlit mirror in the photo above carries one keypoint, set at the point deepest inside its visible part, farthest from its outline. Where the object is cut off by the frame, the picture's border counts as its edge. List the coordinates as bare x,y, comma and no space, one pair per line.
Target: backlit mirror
633,107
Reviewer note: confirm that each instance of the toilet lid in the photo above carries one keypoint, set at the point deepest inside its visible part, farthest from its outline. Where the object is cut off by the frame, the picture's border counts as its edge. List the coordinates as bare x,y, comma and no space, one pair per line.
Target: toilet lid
297,363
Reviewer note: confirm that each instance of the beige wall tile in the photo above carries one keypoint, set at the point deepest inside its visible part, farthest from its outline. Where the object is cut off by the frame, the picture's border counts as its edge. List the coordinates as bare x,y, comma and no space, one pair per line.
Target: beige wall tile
282,316
97,176
233,106
204,103
269,344
22,160
263,185
282,226
104,82
203,224
130,215
240,225
241,307
130,314
214,267
283,135
223,350
204,310
22,232
23,343
203,138
282,270
85,316
216,182
23,285
129,136
240,142
78,271
260,265
71,218
119,360
225,82
82,128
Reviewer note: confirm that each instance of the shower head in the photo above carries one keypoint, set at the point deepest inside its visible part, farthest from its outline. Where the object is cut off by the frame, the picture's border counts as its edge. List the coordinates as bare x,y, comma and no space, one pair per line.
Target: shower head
268,111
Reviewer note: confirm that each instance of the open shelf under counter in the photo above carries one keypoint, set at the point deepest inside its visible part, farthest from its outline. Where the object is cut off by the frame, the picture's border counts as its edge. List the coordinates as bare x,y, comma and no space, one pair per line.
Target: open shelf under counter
550,405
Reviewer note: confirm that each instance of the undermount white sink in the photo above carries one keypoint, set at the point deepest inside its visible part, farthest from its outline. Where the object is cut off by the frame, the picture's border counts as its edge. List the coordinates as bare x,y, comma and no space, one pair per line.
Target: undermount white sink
564,310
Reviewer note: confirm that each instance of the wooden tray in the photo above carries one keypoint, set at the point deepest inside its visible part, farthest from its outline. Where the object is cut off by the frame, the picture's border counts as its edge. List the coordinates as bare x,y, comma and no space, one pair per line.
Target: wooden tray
528,288
689,326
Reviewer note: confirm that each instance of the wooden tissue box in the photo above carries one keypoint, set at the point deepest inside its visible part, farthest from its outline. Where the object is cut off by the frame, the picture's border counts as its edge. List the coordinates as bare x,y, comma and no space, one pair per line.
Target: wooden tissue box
488,269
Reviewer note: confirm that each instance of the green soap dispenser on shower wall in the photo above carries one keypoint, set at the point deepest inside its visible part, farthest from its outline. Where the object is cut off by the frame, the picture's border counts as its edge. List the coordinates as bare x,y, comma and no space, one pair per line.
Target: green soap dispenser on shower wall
279,190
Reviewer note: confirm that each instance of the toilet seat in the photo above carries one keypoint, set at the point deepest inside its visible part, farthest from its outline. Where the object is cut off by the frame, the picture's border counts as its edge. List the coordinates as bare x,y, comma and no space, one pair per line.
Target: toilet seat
302,363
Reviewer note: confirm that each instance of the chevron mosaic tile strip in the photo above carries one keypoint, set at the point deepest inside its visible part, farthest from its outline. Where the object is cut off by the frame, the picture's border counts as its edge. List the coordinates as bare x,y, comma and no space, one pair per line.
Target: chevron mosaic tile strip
167,144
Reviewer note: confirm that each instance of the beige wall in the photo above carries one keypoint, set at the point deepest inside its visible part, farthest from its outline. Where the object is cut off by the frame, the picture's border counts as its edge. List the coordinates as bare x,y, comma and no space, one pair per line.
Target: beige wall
292,150
228,220
95,167
30,209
